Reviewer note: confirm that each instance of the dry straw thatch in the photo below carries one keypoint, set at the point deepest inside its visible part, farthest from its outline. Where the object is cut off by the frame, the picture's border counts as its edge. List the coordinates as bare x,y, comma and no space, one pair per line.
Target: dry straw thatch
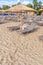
20,8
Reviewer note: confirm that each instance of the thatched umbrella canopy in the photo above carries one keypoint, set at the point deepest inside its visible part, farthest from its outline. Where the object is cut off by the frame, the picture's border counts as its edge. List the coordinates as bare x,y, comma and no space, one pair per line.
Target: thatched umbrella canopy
41,10
20,9
2,11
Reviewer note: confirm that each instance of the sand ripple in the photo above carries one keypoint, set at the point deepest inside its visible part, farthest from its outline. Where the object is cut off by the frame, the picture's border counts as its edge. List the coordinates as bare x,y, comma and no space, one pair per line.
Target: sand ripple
16,49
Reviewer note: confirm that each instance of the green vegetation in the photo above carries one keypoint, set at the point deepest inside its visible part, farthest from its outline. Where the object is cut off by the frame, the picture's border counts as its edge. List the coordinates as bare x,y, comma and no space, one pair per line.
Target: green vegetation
4,7
13,5
35,4
0,8
29,5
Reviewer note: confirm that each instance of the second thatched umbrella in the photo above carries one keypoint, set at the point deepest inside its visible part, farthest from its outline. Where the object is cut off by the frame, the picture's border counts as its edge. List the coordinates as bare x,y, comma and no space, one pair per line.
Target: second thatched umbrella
41,10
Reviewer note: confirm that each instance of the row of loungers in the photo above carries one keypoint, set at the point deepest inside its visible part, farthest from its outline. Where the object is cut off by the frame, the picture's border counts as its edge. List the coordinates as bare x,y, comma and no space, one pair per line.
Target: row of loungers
26,30
25,19
29,29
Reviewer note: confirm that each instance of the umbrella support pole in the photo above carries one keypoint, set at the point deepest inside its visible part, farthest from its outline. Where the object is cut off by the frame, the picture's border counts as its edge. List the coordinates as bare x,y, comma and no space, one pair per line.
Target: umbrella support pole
21,21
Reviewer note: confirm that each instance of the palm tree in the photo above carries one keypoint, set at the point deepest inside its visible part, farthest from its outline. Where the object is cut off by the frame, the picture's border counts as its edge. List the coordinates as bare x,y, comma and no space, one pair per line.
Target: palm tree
35,4
0,8
40,4
29,5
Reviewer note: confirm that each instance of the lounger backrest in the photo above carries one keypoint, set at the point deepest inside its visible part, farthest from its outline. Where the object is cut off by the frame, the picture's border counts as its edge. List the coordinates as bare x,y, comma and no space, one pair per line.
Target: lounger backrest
30,28
3,19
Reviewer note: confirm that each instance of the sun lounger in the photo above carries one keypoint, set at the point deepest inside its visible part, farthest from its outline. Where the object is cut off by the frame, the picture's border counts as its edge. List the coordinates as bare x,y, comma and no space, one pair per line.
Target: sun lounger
40,23
2,20
41,37
14,27
28,29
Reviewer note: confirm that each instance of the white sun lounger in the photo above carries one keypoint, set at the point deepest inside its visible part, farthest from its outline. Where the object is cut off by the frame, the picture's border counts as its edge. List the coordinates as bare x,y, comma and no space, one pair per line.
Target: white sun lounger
41,37
28,29
2,20
14,27
40,23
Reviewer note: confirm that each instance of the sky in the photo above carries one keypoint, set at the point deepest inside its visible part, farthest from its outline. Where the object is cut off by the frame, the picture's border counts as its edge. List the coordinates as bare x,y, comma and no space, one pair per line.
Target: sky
11,2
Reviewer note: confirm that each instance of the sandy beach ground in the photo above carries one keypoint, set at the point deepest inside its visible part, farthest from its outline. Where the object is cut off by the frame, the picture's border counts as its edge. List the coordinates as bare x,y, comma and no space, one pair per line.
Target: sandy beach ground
16,49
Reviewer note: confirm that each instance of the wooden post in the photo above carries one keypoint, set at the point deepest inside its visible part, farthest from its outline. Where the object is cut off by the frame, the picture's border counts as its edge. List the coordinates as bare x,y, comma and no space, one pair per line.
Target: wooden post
16,17
21,21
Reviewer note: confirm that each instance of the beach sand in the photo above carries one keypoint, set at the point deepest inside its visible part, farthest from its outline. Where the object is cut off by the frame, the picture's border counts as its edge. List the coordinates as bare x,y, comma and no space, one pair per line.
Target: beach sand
16,49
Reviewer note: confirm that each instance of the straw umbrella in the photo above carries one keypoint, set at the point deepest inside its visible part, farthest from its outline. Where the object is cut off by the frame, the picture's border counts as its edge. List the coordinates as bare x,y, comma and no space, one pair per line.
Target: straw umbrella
1,11
41,10
20,9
